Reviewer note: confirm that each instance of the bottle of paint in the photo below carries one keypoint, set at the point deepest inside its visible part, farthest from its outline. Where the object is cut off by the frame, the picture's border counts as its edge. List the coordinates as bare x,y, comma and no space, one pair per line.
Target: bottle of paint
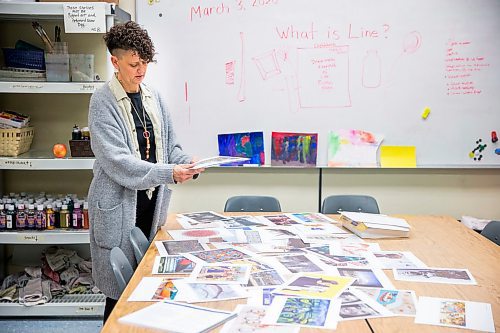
77,216
51,217
64,217
40,218
11,217
57,213
3,218
85,218
21,218
30,217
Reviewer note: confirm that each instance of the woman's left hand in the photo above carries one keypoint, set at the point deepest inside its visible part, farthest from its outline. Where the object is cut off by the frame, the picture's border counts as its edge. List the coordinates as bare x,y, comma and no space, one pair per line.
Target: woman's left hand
184,172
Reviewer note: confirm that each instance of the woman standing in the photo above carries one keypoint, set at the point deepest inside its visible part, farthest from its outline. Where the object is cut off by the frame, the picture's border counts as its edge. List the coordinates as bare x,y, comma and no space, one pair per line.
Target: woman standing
136,156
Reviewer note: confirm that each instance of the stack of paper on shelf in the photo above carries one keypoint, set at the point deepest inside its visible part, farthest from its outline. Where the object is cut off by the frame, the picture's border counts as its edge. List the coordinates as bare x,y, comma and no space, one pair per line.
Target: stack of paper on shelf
367,225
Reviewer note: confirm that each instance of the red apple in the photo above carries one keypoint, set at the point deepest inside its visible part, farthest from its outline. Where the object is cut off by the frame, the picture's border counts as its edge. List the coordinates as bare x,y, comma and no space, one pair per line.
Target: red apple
59,150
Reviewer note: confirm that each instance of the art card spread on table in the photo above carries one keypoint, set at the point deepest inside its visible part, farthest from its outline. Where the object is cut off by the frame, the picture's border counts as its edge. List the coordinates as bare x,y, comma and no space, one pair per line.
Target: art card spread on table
202,235
304,312
279,219
205,292
249,319
398,259
153,316
152,289
353,148
399,302
221,273
301,263
218,255
172,247
367,277
455,313
314,286
311,218
248,144
356,305
176,264
218,160
435,275
197,220
243,221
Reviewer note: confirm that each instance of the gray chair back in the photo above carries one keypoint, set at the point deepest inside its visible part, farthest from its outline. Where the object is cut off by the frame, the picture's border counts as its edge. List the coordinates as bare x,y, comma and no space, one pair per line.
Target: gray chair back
121,267
140,243
492,232
252,203
350,203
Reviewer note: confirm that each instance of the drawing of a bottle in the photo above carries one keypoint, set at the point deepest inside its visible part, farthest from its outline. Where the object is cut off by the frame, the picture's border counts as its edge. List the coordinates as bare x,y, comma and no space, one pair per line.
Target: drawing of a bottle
371,75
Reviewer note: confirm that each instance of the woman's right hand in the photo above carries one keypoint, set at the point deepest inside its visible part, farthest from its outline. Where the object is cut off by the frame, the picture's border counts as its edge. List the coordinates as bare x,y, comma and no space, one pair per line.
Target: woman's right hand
184,172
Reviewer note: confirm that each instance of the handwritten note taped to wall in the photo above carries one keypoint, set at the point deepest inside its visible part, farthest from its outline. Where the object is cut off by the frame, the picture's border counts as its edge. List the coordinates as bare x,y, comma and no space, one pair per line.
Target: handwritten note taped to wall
84,18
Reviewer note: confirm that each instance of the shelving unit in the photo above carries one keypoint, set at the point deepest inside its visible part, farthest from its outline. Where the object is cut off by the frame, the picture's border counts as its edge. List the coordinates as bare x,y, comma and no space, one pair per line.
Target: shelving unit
68,305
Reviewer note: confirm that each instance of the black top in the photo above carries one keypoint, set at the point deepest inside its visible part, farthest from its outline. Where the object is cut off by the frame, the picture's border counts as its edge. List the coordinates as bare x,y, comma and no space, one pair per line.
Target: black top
145,206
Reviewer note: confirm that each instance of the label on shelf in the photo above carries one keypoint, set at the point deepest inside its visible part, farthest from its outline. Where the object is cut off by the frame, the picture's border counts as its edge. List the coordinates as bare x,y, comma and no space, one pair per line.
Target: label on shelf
86,309
31,238
17,164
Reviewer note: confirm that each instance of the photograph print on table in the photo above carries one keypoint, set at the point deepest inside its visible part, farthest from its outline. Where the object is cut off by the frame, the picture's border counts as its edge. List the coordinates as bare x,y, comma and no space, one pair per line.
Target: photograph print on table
221,273
398,259
399,302
367,277
435,275
304,312
176,264
173,247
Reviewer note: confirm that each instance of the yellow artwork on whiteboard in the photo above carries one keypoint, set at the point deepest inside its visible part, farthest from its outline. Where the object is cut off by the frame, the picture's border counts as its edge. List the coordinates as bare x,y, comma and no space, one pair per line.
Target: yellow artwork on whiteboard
398,156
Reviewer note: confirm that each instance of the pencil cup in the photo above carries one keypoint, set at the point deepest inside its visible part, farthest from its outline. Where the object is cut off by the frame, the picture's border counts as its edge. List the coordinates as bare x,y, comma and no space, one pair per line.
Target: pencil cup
57,66
81,67
61,47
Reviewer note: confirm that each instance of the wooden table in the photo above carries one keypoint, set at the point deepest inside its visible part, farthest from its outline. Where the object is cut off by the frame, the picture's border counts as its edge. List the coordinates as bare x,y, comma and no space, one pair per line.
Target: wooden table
438,241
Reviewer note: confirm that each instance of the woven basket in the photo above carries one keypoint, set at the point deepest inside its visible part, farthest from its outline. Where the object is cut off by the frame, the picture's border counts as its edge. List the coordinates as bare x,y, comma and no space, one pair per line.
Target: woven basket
15,141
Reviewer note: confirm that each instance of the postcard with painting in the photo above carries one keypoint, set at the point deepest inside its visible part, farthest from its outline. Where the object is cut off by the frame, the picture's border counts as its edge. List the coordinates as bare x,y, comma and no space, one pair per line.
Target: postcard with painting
455,313
153,289
312,218
172,247
367,277
399,302
204,292
301,263
356,305
315,286
249,319
219,255
221,273
176,264
435,275
304,312
197,220
202,235
279,219
398,259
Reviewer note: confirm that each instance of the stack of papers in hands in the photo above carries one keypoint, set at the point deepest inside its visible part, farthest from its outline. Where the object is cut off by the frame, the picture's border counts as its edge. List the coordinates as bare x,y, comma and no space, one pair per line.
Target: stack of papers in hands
178,317
218,160
367,225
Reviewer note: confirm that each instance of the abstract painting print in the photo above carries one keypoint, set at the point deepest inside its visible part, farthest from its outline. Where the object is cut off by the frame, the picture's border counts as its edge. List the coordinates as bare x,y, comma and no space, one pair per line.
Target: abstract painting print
249,144
294,149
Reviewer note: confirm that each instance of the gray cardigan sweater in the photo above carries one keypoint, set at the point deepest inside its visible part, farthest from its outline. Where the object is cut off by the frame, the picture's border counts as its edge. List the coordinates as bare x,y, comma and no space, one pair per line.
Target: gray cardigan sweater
119,172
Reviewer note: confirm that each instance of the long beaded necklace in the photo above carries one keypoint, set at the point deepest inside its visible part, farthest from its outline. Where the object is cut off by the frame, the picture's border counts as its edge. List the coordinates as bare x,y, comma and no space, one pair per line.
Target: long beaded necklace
146,133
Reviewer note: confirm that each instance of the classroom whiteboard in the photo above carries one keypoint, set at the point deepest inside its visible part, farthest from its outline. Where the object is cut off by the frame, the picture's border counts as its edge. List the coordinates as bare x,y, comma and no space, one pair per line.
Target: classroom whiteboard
315,66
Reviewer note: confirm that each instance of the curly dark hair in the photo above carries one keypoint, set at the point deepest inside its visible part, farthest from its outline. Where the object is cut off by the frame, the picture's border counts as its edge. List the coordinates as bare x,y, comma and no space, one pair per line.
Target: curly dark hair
130,36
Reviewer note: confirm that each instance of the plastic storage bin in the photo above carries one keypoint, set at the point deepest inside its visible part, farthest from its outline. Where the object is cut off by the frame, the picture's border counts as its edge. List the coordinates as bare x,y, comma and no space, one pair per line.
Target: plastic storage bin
57,66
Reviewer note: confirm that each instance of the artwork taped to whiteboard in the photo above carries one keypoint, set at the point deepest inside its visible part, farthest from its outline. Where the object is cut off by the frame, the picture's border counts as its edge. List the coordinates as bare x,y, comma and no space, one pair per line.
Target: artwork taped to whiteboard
353,148
294,149
249,144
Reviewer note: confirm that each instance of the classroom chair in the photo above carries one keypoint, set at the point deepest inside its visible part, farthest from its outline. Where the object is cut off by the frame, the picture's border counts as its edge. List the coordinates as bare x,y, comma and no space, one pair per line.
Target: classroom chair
350,203
492,232
139,242
121,267
252,203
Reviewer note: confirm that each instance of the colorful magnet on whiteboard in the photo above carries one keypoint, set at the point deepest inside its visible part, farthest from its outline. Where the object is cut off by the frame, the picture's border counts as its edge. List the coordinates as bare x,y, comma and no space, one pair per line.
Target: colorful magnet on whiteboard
497,151
471,154
426,112
494,137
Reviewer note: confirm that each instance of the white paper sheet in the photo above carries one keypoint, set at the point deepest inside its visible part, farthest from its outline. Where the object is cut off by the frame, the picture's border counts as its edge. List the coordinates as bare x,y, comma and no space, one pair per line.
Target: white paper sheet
455,313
